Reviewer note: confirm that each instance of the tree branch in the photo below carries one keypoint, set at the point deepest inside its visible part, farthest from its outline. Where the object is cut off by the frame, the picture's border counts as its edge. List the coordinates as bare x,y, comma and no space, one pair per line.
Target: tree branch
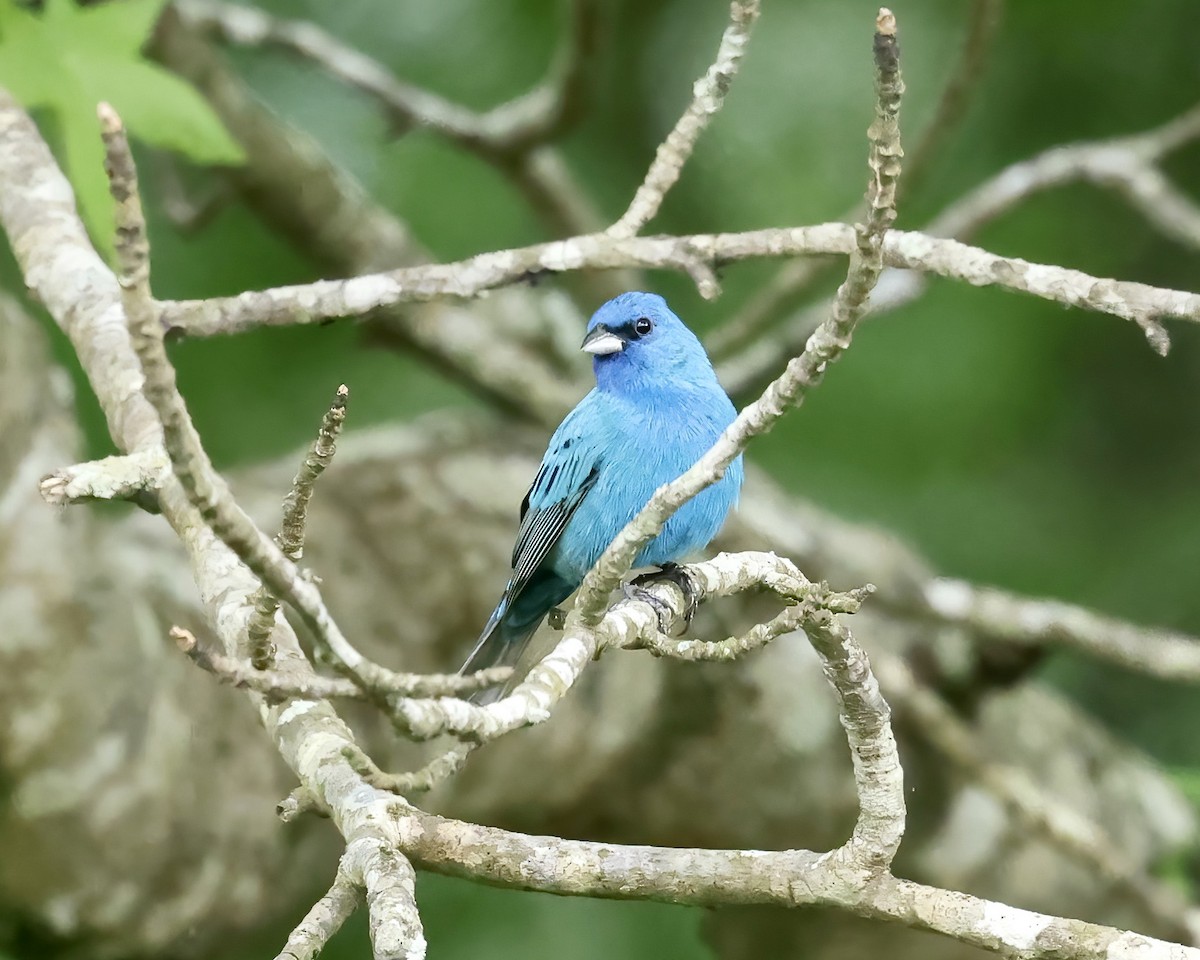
708,95
312,686
127,477
1073,832
1000,615
290,538
325,299
379,828
1128,165
324,919
507,136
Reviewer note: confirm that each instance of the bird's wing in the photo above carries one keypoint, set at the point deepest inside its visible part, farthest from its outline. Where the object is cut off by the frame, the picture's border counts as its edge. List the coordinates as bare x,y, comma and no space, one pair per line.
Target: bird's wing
568,472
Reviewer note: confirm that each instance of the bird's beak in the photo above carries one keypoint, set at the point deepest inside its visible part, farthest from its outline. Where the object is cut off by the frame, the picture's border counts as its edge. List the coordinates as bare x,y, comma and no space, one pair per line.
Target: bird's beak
601,341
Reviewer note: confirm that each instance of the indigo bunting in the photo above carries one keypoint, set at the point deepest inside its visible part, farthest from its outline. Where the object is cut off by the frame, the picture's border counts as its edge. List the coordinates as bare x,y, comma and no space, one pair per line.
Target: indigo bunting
656,408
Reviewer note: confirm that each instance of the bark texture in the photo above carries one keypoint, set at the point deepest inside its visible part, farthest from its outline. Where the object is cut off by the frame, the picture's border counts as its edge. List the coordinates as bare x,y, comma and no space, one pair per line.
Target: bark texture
137,795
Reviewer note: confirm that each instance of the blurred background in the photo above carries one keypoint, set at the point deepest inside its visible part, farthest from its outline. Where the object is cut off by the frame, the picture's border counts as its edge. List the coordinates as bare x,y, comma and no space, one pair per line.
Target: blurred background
1011,441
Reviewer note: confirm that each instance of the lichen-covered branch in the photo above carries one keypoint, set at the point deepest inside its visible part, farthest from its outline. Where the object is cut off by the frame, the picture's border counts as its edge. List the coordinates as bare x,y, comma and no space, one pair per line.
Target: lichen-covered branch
1083,840
324,919
311,303
124,477
1127,165
291,531
313,686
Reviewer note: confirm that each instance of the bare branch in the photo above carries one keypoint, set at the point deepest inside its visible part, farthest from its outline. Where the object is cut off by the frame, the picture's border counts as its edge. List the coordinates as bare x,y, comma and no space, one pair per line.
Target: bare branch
125,477
300,801
1106,163
440,768
507,136
1066,828
291,532
1127,165
324,919
785,878
708,95
855,876
390,882
513,127
312,686
805,371
320,455
311,303
968,70
867,720
1012,618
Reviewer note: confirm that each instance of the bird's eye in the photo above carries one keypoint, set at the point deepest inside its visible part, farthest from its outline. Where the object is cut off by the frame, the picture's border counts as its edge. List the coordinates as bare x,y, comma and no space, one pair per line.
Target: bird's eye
642,326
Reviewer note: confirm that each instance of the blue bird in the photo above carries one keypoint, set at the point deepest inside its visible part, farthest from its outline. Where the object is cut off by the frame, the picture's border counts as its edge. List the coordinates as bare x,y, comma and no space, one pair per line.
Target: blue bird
656,408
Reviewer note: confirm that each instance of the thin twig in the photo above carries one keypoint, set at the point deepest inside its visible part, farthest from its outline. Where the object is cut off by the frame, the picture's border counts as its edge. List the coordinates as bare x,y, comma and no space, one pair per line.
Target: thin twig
308,685
784,290
422,780
708,95
320,455
506,136
326,917
300,801
535,117
291,531
804,372
204,488
982,26
1127,165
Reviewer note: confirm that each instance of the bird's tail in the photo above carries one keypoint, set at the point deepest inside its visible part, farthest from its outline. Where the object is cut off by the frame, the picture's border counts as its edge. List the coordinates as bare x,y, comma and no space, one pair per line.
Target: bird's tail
509,630
500,645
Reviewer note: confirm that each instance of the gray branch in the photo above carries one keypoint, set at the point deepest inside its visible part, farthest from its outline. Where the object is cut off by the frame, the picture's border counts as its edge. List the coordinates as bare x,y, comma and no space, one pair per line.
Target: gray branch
379,829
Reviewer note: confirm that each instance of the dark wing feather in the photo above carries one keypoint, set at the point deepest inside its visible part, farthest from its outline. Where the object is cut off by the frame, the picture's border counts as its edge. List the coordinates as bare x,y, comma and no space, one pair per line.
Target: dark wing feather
541,526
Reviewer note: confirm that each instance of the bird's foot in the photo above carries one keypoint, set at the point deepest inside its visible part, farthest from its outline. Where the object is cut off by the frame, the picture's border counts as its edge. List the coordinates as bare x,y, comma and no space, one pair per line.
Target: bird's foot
675,574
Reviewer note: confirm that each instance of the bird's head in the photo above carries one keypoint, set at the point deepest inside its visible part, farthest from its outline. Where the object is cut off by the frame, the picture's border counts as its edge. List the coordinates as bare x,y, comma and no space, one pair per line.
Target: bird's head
636,338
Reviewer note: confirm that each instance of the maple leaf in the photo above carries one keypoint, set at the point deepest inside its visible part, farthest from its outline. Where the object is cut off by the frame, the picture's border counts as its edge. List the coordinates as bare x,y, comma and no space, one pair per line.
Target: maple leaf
69,58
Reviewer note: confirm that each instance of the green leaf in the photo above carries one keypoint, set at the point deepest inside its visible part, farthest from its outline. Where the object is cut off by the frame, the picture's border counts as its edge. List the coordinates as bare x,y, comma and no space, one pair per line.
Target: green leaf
70,58
176,117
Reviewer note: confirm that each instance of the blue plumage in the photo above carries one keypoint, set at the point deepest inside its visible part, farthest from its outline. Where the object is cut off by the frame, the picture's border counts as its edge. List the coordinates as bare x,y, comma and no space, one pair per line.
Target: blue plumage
657,407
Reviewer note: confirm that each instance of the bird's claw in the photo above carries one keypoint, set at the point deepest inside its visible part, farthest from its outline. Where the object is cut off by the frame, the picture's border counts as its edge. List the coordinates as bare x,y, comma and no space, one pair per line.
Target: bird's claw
675,574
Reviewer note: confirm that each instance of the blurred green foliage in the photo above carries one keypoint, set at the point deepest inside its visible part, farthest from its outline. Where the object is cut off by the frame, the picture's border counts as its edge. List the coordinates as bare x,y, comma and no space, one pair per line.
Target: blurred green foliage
1011,440
66,58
